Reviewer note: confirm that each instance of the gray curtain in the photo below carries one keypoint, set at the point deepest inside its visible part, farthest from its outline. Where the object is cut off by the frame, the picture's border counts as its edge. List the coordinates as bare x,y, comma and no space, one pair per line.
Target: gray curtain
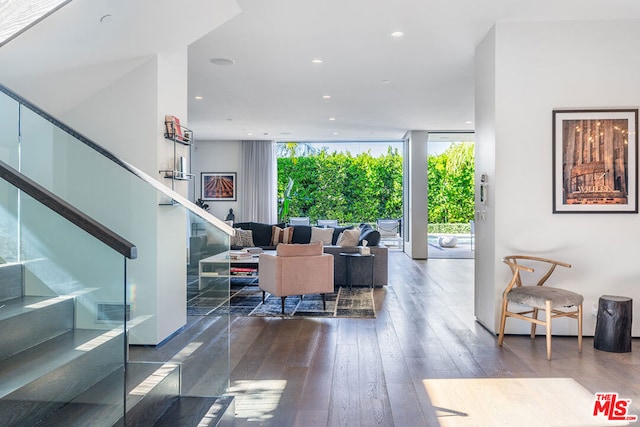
258,187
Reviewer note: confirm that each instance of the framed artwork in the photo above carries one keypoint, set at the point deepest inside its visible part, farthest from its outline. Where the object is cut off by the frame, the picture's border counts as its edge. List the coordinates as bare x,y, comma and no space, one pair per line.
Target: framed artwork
595,161
218,186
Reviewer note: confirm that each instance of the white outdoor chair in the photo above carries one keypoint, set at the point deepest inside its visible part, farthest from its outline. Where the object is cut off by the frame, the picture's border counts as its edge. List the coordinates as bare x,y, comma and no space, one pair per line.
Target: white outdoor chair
389,230
299,220
327,223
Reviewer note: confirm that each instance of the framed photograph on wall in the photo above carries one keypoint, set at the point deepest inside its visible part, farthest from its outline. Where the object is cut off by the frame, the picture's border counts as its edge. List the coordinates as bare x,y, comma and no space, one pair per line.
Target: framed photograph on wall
218,186
595,161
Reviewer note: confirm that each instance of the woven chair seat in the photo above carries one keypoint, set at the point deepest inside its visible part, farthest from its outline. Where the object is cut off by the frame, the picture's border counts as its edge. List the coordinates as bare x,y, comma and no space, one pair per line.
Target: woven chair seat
536,296
554,302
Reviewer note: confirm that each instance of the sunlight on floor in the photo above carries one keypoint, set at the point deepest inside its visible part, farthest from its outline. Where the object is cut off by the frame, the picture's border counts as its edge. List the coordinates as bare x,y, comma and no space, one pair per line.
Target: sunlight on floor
256,400
513,401
186,352
99,340
146,386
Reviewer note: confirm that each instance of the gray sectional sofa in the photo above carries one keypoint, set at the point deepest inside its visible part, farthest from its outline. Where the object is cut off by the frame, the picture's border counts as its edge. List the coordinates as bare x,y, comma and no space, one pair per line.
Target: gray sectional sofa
262,235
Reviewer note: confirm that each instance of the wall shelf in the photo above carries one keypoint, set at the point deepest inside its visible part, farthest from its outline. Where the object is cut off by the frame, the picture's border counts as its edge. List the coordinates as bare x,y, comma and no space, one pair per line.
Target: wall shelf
179,136
177,175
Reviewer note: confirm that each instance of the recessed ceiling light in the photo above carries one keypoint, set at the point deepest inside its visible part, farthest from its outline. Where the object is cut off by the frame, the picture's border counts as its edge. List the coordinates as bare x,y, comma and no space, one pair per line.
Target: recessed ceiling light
335,133
317,61
106,19
222,61
250,133
198,97
326,96
468,122
397,34
385,81
332,119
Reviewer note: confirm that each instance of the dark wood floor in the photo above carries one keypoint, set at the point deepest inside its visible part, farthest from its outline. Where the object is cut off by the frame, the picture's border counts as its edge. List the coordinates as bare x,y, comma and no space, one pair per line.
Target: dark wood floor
370,372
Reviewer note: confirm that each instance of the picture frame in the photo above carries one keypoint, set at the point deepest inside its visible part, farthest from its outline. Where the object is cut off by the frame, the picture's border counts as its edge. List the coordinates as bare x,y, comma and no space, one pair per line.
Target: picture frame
595,161
218,186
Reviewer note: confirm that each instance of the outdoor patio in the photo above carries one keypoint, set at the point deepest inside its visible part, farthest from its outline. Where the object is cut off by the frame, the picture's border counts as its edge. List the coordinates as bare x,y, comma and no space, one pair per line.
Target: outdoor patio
464,249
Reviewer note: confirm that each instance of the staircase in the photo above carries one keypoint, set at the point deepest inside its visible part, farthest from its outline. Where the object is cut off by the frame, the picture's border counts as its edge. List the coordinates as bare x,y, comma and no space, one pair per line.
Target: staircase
53,374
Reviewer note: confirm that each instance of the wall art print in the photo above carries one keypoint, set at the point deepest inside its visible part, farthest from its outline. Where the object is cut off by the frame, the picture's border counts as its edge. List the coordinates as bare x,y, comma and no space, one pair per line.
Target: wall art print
595,157
218,186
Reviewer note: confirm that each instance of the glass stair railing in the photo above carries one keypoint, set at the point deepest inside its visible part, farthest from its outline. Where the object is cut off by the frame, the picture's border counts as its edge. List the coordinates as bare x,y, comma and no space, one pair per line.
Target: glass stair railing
58,266
143,301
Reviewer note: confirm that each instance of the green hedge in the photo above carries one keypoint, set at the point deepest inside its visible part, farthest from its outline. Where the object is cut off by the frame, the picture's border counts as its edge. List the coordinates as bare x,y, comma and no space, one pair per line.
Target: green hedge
343,187
464,228
364,188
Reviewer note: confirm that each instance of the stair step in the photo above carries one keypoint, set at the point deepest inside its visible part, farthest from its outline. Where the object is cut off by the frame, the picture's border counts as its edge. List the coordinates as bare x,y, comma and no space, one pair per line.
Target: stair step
11,281
101,405
45,377
190,411
29,321
152,397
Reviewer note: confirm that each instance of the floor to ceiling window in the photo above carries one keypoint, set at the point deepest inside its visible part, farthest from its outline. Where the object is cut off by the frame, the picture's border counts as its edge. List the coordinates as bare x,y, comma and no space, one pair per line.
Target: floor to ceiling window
351,182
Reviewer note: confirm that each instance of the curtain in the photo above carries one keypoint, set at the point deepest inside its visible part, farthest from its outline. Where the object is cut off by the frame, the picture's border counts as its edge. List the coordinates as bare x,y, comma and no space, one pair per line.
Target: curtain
258,184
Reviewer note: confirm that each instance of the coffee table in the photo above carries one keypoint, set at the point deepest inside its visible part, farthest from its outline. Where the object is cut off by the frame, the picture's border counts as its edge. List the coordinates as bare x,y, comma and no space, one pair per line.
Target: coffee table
222,266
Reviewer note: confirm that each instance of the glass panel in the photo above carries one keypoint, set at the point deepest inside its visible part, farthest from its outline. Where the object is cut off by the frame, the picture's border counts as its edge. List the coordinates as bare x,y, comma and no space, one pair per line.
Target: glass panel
160,282
68,302
208,296
9,110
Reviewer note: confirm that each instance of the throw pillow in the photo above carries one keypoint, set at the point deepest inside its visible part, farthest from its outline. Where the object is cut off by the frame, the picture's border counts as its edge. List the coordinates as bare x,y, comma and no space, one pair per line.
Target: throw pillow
299,249
349,237
369,234
337,231
281,235
301,234
243,238
324,235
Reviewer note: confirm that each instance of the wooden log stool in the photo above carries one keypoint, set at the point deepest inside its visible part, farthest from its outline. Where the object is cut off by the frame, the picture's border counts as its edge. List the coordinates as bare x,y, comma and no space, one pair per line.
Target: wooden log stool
613,324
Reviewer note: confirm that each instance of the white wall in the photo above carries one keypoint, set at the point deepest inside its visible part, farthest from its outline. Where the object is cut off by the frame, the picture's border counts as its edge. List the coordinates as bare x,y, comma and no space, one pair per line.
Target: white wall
127,118
539,67
485,301
217,156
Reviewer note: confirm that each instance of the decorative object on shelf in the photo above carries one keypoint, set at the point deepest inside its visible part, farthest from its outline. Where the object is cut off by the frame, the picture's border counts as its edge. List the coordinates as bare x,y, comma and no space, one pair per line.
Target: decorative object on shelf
218,186
172,127
202,204
174,130
181,168
230,216
595,161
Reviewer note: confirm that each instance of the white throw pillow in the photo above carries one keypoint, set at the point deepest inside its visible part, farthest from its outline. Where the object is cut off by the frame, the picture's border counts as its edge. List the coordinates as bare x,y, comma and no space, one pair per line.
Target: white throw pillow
324,235
349,237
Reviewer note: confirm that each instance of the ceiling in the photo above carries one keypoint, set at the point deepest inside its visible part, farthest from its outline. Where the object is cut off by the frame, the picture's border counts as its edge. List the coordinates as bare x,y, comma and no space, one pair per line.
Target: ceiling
379,86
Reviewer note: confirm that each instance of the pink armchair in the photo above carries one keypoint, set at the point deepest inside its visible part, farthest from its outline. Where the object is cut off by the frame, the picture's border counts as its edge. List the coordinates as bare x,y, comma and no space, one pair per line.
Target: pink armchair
296,269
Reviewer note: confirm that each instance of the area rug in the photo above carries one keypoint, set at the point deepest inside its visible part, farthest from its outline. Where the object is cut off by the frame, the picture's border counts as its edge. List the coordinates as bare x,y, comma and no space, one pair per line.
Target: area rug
246,300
